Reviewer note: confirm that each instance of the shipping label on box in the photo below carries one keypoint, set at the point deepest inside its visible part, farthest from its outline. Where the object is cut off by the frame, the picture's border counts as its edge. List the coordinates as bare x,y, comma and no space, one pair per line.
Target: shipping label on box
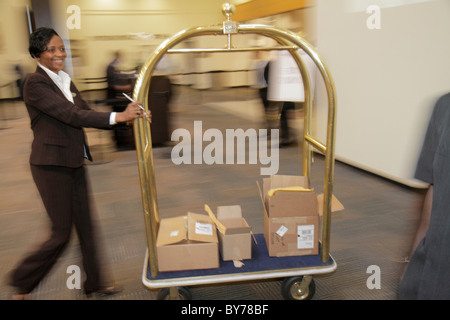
306,236
292,236
187,243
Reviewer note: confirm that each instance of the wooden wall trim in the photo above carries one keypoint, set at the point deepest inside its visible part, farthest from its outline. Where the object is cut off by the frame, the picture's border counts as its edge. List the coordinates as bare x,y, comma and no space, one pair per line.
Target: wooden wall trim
262,8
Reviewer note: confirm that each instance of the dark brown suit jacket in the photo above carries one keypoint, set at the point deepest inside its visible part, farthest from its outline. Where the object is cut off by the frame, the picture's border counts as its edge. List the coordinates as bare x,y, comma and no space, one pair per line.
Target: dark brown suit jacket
57,159
57,123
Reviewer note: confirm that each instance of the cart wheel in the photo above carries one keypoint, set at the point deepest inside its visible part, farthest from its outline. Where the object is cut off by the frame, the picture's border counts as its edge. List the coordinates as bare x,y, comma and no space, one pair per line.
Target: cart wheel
183,294
298,288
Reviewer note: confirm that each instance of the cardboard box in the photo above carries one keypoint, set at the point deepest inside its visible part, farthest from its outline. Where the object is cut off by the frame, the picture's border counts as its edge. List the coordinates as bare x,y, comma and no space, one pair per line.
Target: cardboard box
336,205
287,198
235,243
187,243
291,216
291,236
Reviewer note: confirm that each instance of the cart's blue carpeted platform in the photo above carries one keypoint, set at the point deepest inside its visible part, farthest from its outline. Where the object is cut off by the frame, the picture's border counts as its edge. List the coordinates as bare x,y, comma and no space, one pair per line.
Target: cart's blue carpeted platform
260,262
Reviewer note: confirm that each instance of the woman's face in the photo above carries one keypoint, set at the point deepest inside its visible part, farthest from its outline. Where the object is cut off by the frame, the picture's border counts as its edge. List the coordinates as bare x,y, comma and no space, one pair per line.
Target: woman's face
53,58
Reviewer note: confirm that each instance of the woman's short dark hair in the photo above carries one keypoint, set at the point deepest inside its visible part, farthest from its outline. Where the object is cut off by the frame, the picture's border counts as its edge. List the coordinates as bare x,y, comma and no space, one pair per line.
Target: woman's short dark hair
39,40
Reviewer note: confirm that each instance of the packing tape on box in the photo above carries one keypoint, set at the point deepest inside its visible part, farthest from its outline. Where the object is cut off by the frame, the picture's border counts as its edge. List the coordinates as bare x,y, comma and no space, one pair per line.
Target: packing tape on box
271,192
219,225
238,263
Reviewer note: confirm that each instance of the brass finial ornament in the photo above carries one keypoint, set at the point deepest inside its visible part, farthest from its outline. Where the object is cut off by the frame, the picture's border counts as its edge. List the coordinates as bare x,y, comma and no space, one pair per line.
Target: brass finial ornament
229,27
228,10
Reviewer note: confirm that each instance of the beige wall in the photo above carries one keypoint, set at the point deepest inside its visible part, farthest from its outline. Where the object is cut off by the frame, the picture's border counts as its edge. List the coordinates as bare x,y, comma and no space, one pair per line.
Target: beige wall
387,79
106,26
13,44
128,26
110,25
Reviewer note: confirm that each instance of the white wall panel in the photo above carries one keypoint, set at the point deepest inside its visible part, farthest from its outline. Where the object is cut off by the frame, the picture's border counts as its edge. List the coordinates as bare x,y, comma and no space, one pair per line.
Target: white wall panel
387,79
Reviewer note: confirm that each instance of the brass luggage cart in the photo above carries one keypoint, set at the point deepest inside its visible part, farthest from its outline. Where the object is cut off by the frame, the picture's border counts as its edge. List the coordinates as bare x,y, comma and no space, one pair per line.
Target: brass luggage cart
298,271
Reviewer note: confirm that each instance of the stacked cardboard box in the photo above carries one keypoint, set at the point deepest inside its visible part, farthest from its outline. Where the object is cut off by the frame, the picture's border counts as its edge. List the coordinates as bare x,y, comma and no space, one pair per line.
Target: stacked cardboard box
291,228
291,216
235,240
187,243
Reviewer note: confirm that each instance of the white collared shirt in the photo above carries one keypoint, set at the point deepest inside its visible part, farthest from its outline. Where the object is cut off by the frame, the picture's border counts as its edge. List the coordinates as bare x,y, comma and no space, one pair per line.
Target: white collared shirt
62,80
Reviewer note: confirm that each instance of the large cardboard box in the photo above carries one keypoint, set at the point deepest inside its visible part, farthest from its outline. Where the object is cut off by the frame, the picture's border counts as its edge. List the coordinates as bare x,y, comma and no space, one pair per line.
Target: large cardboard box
235,241
291,216
187,243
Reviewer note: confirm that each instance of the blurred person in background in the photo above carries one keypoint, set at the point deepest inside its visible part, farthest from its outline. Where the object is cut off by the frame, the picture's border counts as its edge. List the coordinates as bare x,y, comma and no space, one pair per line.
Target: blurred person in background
427,275
120,79
260,66
286,138
117,83
58,115
19,79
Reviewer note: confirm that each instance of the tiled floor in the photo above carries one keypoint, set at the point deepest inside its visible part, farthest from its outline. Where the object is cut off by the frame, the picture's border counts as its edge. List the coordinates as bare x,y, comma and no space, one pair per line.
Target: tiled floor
375,228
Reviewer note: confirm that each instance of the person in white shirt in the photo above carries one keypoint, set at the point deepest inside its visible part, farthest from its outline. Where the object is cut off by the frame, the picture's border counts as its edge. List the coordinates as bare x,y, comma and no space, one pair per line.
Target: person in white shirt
58,115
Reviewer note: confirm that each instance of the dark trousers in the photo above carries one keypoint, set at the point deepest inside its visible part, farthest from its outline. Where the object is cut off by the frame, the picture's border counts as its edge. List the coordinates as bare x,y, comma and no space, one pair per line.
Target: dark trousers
64,192
284,128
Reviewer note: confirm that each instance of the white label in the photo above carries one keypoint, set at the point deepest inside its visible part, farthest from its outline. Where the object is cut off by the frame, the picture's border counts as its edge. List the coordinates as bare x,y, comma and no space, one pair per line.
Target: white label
203,228
305,236
281,231
174,233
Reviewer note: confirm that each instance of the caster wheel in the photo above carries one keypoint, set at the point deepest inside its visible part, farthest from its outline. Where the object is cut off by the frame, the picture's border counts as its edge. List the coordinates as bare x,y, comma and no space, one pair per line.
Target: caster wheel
183,294
298,288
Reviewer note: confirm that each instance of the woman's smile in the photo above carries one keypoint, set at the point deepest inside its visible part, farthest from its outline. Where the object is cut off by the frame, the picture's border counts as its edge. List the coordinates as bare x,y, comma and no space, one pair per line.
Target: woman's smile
54,56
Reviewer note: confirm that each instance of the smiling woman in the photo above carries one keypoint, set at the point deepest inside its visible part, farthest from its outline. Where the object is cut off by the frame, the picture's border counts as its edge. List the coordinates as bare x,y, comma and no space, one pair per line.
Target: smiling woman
58,115
50,53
